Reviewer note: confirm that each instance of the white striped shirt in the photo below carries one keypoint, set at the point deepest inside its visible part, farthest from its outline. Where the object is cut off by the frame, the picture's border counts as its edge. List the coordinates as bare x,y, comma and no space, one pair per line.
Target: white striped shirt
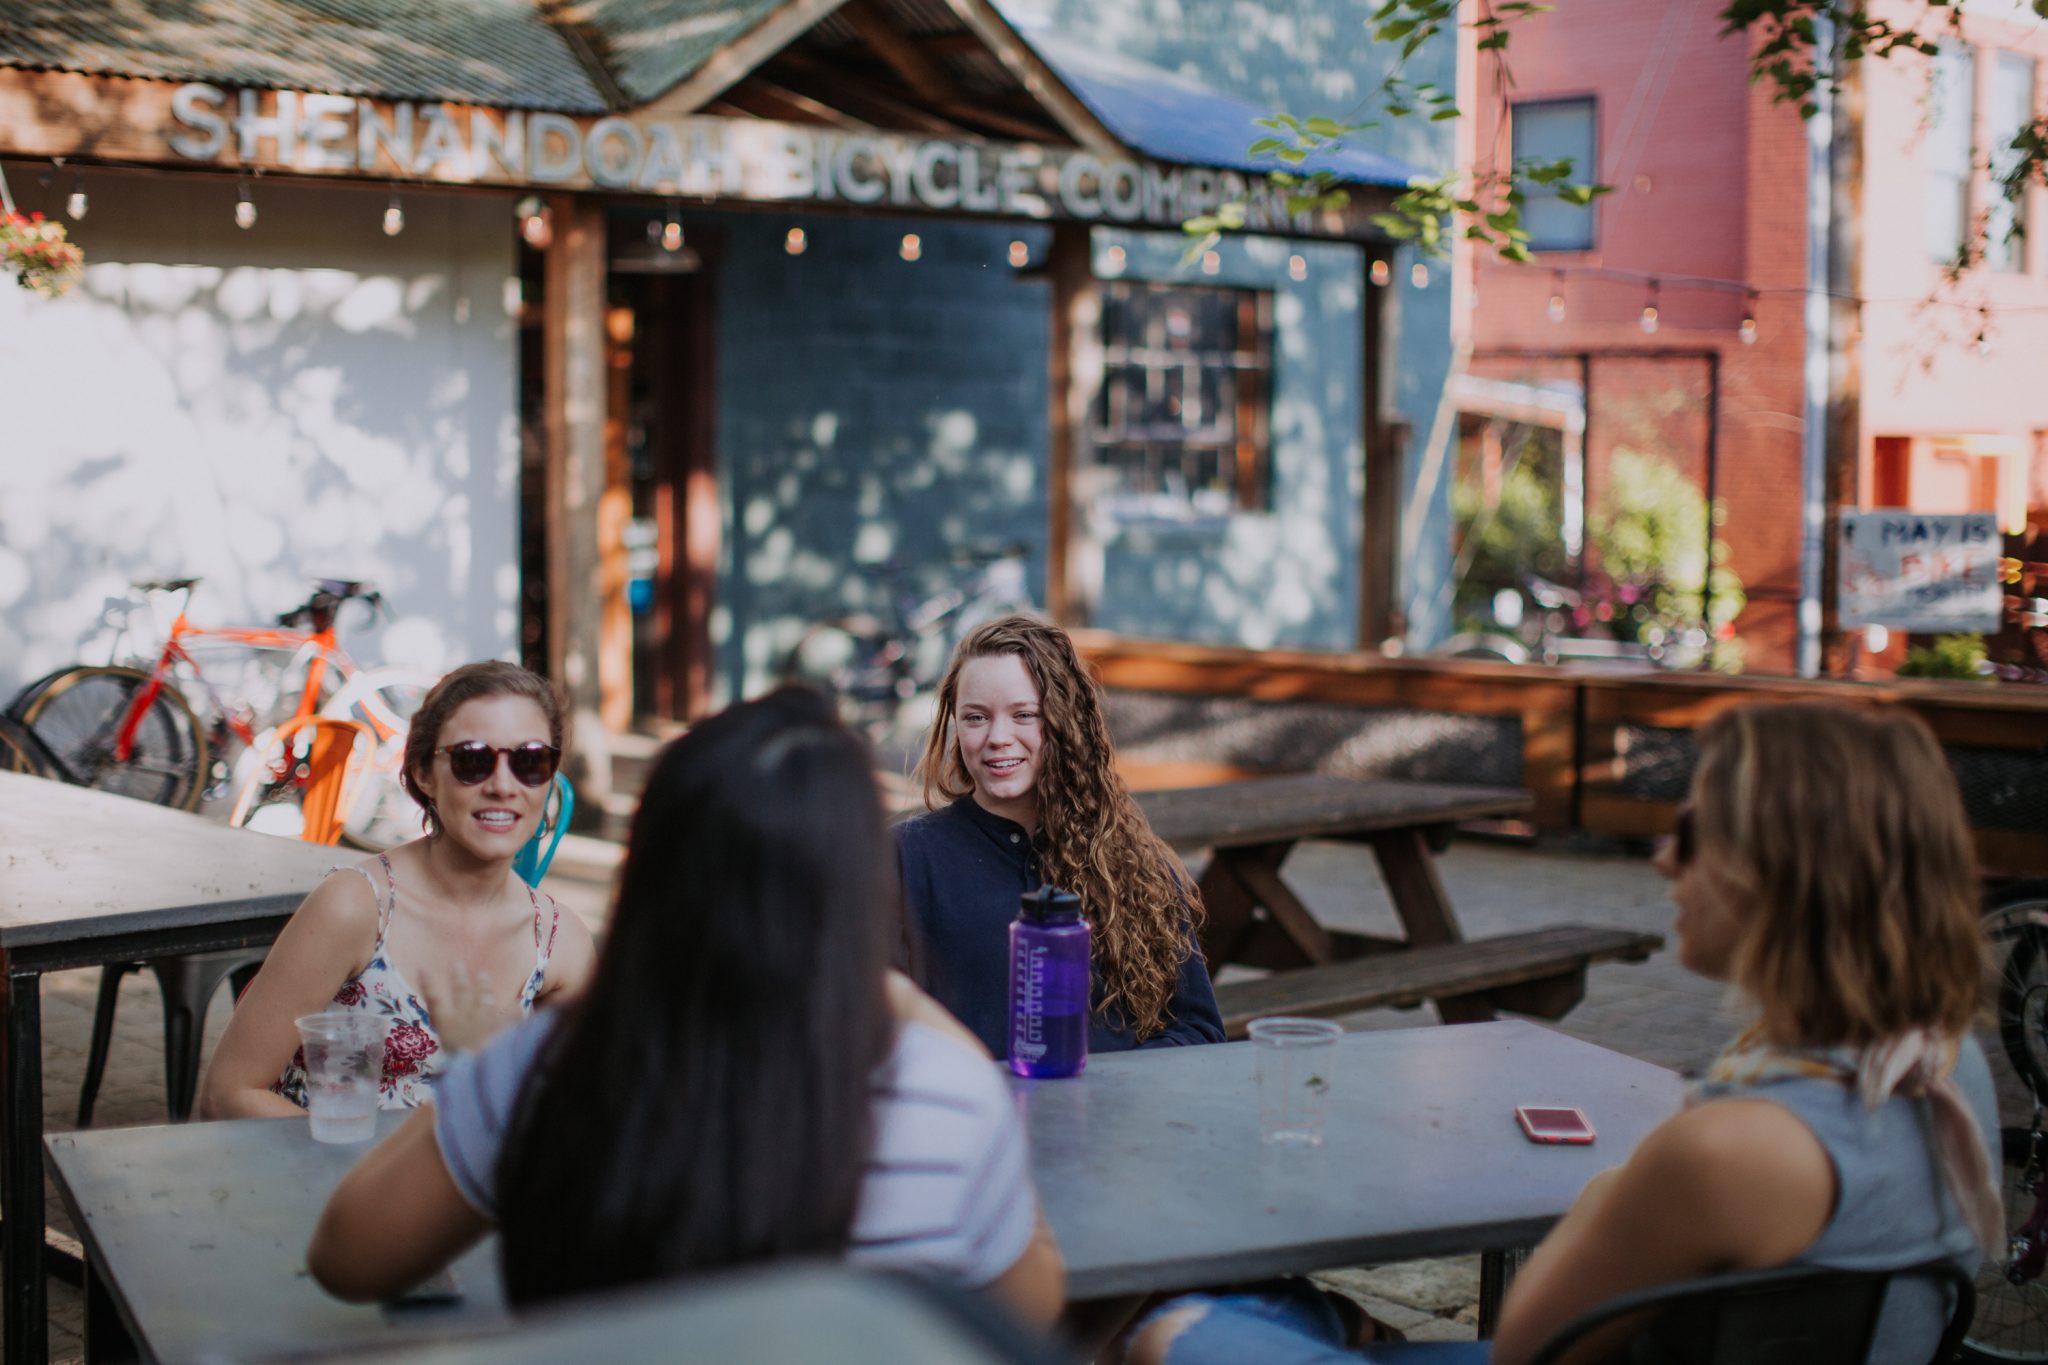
948,1189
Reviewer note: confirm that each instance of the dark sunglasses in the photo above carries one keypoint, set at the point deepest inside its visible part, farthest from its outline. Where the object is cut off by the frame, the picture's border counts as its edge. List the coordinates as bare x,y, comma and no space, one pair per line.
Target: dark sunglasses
1684,841
471,761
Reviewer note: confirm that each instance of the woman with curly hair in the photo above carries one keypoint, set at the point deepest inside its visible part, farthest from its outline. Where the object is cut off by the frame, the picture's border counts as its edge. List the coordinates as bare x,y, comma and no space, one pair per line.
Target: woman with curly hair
439,936
1021,790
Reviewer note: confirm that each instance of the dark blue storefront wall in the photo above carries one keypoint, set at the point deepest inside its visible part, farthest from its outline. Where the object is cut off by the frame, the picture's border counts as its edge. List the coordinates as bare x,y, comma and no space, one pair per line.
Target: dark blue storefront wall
873,414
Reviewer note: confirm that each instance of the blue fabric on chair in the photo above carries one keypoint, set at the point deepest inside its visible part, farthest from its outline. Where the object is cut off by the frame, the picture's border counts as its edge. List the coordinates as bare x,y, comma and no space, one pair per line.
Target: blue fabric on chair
532,862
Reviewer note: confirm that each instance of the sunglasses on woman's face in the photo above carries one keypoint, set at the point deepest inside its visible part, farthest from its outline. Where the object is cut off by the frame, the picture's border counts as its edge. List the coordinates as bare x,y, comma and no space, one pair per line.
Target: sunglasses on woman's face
471,761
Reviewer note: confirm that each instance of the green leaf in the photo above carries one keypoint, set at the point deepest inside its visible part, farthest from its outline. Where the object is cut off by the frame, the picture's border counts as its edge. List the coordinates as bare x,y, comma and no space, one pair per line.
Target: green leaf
1202,226
1293,156
1231,216
1328,127
1267,144
1440,115
1493,42
1576,194
1502,222
1393,29
1393,225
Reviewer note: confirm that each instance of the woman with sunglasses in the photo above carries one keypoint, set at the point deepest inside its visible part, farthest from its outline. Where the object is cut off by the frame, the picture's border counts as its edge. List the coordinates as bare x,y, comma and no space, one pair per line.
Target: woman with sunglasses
744,1081
438,936
1823,869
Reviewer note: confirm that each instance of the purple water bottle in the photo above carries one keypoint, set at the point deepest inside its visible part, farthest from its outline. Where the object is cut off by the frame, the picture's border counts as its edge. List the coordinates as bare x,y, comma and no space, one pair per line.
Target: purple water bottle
1049,986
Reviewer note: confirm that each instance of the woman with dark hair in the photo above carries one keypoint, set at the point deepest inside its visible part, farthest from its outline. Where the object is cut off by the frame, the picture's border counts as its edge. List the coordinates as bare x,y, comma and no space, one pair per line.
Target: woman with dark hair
744,1080
1022,790
1822,868
439,936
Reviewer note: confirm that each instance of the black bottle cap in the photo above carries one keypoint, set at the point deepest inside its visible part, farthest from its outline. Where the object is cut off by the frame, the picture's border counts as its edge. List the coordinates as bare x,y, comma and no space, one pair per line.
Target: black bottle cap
1050,905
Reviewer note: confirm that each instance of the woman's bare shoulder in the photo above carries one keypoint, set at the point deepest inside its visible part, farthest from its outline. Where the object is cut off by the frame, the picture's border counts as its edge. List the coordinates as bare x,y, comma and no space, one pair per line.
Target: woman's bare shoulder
911,1005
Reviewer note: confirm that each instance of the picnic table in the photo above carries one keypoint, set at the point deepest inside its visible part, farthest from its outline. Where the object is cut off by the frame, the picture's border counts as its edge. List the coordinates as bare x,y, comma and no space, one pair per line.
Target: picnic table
1256,919
196,1233
86,879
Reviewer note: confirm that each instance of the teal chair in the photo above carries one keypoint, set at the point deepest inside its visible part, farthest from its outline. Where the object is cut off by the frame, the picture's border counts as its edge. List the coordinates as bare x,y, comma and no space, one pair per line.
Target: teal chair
532,862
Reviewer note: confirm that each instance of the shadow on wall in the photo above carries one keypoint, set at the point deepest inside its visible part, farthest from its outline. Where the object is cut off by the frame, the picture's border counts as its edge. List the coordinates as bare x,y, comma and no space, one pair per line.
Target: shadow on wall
877,418
306,398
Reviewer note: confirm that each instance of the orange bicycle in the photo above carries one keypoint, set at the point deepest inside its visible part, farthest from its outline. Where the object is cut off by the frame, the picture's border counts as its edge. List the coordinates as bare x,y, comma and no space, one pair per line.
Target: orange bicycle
133,730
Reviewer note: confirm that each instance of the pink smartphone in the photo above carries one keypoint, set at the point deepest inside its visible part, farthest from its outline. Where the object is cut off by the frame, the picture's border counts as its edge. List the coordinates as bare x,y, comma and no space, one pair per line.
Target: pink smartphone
1554,1123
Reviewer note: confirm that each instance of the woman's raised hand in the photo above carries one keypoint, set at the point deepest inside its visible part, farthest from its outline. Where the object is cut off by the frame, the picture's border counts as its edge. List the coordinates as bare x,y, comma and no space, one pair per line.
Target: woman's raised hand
462,1005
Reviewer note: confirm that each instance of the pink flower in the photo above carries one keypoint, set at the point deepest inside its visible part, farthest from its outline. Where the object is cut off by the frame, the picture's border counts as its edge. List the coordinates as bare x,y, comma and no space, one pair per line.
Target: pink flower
351,993
406,1048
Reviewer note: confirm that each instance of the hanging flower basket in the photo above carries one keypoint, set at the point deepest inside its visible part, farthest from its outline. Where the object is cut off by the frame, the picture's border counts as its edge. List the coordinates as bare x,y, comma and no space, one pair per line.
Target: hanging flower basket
37,252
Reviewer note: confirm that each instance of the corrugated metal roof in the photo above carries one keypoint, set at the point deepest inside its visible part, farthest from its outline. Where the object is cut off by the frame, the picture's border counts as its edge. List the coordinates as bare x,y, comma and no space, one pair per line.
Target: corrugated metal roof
653,45
491,52
1172,118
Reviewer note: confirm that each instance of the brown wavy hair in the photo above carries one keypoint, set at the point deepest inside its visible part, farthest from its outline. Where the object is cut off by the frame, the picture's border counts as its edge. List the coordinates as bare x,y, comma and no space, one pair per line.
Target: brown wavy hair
1136,894
1844,830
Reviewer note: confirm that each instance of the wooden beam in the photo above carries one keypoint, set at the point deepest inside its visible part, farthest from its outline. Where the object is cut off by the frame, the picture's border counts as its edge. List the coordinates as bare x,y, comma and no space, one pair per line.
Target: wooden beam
903,53
1076,315
844,90
764,98
1034,75
573,402
736,61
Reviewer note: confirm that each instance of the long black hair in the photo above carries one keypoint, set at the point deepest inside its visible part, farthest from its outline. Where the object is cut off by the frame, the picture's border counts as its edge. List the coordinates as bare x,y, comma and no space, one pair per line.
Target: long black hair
706,1103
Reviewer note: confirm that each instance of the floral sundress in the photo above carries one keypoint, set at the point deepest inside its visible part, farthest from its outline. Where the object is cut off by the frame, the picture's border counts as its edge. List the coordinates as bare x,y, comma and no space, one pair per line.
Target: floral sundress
413,1056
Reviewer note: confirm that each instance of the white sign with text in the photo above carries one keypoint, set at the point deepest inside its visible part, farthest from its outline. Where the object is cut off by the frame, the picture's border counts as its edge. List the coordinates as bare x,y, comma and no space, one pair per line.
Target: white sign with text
1919,570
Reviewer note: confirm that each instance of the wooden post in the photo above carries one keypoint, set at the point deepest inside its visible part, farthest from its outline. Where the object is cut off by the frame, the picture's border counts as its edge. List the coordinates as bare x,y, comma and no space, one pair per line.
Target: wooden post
1845,376
1072,372
573,404
614,513
1379,542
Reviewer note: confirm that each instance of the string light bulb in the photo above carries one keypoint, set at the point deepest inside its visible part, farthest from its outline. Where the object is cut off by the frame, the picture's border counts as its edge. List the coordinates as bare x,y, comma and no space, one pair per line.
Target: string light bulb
1649,319
672,228
1297,268
1020,255
1418,275
75,205
1555,308
1747,331
795,242
534,227
1381,273
1211,263
394,217
912,247
1113,261
245,207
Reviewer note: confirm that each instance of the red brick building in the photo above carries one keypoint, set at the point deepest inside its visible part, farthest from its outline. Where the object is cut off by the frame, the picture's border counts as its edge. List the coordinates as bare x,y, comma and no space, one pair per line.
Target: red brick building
1937,386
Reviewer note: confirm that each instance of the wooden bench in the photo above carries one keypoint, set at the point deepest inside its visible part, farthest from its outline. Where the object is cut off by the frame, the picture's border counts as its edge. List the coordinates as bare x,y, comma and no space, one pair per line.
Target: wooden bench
1541,972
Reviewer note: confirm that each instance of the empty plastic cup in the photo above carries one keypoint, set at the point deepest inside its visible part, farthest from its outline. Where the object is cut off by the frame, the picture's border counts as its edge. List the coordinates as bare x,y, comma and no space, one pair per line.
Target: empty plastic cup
344,1053
1295,1059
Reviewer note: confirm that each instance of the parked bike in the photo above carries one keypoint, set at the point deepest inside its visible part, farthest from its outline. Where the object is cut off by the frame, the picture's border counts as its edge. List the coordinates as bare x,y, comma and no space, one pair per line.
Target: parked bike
2011,1320
134,730
1545,622
885,673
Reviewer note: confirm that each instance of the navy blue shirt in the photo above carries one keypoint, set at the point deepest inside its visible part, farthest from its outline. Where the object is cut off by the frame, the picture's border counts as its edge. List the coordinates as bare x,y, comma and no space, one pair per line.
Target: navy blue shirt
964,871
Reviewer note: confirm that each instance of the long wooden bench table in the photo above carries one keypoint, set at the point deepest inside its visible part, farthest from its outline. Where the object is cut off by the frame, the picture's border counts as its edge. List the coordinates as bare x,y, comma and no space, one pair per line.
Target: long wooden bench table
1256,919
1540,972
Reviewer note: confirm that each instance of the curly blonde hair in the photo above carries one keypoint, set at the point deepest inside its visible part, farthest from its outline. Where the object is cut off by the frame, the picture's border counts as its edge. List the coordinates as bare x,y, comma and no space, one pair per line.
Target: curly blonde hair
1138,896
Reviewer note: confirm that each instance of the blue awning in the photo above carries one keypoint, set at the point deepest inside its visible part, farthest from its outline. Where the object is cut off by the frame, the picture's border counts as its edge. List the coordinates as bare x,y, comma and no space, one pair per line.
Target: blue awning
1171,118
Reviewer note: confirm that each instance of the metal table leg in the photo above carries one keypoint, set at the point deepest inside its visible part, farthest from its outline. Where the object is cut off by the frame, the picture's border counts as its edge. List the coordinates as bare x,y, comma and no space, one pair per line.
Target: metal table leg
1496,1272
21,1168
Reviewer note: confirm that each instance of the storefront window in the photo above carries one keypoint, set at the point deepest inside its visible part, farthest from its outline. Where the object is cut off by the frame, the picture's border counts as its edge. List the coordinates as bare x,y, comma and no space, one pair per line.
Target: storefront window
1180,422
1949,151
1556,130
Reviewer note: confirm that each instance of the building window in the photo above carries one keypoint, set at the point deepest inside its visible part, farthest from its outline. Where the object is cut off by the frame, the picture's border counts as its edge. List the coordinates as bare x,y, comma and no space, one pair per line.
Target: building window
2012,109
1180,423
1556,130
1950,104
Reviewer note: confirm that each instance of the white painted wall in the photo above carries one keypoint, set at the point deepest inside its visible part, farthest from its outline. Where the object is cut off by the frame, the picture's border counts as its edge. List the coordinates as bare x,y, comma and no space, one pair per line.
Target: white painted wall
307,398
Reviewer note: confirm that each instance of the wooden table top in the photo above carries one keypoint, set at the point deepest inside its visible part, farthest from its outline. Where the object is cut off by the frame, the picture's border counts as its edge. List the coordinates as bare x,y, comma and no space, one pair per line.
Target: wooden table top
81,863
1312,805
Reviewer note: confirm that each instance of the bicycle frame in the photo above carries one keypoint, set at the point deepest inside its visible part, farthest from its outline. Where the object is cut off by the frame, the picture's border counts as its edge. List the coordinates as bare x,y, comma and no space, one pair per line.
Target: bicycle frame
318,648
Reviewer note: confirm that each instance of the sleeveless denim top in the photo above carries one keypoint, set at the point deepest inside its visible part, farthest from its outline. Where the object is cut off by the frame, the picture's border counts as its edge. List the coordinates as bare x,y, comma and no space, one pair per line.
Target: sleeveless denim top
1892,1207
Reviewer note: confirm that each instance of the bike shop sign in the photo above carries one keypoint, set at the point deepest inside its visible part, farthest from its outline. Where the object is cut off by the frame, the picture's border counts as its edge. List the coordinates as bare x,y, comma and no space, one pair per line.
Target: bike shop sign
750,159
1920,571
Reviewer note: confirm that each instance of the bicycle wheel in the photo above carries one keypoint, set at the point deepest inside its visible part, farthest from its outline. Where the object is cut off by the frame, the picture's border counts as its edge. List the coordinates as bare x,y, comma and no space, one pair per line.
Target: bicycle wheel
380,813
19,751
2016,923
2011,1321
77,719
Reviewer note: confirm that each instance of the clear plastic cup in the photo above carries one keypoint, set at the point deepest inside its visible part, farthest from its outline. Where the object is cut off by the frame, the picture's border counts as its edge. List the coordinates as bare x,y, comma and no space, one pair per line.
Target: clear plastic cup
1296,1057
344,1063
